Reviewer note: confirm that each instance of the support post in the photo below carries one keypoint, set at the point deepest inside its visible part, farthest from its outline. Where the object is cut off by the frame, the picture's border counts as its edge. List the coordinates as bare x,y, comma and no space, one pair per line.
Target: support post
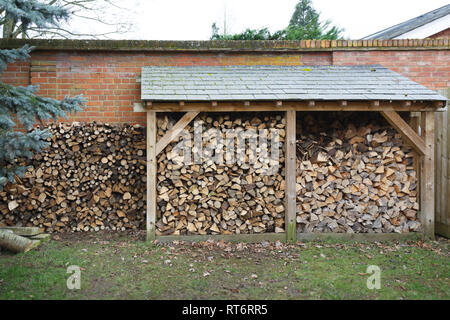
416,142
151,175
427,187
290,176
414,123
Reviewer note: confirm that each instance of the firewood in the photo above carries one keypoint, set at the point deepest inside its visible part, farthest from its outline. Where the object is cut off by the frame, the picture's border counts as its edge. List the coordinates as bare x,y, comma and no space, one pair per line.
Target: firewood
364,183
226,198
353,175
13,242
91,177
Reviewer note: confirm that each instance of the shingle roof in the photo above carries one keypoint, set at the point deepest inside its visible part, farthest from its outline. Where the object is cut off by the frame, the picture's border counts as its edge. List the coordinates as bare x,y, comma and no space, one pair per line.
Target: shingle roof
411,24
250,83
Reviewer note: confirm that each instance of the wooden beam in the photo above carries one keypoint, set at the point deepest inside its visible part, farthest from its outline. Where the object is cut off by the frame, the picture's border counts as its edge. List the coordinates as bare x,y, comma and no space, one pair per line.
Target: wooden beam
151,175
290,177
253,237
359,236
447,218
439,104
427,200
414,123
416,142
438,172
239,106
442,161
375,103
175,131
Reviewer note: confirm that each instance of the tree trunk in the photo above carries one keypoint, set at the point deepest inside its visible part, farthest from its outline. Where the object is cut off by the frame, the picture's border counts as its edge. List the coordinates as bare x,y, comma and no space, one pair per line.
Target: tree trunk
14,243
8,28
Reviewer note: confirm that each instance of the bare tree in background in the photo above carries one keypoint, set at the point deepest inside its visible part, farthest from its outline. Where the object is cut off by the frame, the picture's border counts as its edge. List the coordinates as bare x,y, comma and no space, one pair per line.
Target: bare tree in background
98,19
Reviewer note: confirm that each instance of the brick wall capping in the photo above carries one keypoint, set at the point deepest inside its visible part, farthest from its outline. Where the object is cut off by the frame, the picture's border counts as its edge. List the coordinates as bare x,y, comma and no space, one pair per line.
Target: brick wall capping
229,45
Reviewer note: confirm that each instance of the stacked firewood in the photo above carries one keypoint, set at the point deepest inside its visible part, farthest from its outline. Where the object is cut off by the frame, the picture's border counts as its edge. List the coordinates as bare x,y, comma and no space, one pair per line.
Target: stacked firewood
91,177
221,198
354,174
354,179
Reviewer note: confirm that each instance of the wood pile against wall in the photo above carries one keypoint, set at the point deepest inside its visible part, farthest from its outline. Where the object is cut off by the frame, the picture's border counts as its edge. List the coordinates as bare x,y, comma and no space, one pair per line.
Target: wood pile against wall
350,178
92,177
210,198
354,179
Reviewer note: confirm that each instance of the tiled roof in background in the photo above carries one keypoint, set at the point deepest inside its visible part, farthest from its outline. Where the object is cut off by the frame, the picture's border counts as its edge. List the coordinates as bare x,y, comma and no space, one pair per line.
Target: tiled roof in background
411,24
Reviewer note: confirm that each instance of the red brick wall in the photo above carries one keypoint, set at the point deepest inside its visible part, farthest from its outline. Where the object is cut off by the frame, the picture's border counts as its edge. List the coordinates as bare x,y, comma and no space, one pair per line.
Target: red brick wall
17,74
444,34
108,79
429,68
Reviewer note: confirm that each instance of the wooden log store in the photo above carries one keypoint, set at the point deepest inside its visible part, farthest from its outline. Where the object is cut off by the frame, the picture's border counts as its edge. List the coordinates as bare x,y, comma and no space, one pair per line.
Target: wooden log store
293,91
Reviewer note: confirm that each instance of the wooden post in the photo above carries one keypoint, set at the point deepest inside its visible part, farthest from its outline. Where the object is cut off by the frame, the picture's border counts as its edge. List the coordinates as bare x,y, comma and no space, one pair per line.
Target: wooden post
442,218
414,123
151,175
427,200
290,176
446,219
438,174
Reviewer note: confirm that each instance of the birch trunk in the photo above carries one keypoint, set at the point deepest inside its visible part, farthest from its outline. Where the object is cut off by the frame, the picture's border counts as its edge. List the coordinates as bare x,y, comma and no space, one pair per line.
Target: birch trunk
13,242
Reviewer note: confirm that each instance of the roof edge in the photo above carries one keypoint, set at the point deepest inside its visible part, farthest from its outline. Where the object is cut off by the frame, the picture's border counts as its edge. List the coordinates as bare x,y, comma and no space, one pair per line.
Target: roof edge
411,24
228,45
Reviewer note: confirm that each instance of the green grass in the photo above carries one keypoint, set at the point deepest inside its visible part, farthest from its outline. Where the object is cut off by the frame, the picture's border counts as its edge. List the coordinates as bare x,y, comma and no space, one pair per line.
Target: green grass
124,267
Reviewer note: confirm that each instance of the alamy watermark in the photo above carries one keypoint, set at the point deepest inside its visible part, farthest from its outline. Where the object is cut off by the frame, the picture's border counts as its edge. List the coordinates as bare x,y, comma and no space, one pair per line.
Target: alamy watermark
248,147
374,281
74,280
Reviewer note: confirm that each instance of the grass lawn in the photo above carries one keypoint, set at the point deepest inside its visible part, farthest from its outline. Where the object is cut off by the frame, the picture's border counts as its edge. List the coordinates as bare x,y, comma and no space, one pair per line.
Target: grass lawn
123,266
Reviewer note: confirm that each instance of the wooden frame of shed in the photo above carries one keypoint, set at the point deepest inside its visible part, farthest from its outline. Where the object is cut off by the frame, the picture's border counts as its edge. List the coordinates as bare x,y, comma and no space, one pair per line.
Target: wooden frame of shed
419,136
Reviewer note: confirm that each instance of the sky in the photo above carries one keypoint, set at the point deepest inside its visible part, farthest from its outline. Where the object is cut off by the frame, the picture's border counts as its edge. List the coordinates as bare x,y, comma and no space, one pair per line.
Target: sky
192,19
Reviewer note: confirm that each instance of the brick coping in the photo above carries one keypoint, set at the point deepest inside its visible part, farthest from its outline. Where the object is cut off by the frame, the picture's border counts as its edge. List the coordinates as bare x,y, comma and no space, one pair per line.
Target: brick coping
229,45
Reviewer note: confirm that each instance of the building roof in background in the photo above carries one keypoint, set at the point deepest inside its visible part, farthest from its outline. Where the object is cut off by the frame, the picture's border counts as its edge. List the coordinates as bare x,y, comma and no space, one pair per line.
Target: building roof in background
414,23
262,83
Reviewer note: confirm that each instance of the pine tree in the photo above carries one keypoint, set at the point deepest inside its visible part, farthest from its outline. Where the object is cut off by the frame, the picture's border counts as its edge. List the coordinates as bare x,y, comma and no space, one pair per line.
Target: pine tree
304,14
305,24
21,104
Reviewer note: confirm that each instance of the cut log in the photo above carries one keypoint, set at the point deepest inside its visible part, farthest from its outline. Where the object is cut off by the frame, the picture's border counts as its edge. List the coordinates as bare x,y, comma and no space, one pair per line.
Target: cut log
23,231
353,175
220,198
99,186
13,242
365,182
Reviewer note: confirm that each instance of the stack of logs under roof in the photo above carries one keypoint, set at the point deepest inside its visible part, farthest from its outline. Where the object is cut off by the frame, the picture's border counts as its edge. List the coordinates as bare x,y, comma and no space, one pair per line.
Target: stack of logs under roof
354,174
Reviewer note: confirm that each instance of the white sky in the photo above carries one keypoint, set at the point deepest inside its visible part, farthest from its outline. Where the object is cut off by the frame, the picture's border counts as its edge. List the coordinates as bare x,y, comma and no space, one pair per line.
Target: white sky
192,19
